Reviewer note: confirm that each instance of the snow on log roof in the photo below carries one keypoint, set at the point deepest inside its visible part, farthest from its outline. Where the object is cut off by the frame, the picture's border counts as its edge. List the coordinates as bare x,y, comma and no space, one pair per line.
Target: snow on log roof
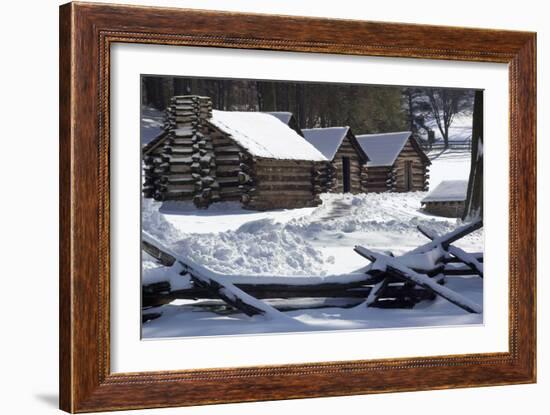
383,149
326,140
263,135
281,116
448,191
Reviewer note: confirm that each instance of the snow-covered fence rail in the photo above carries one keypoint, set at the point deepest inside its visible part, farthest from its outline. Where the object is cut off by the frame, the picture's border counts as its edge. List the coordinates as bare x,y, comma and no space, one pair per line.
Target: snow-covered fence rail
437,258
396,268
445,240
472,261
161,256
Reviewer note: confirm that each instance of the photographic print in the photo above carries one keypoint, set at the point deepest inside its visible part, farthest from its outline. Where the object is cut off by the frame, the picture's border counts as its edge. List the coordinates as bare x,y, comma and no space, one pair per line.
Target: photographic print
283,206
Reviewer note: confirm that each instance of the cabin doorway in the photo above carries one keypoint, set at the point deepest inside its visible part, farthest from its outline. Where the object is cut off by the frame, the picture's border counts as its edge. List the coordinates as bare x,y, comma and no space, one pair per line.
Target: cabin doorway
408,176
346,174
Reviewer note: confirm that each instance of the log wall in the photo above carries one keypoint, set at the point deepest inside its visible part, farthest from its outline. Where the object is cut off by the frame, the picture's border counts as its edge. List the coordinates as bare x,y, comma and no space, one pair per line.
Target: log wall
356,167
446,209
392,178
228,157
380,179
419,170
282,184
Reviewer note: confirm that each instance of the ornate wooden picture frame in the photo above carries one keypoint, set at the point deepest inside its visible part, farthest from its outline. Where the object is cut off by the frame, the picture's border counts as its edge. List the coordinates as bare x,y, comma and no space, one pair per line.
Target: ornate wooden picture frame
87,32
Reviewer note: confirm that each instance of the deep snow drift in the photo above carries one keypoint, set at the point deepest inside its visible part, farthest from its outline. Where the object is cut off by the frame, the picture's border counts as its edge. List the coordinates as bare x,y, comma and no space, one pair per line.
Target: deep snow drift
311,241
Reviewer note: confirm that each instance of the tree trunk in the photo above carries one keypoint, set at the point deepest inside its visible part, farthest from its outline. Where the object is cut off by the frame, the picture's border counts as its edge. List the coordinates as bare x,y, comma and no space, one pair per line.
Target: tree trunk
411,114
300,103
474,195
446,137
182,86
259,96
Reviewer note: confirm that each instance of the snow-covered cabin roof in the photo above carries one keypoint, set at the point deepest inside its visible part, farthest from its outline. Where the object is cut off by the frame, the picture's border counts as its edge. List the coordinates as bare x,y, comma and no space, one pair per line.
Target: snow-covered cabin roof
383,149
288,119
326,140
448,191
281,116
264,135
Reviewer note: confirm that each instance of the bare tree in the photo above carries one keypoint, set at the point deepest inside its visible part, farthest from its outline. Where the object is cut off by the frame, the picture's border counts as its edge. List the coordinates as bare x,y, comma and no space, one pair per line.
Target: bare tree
474,195
444,104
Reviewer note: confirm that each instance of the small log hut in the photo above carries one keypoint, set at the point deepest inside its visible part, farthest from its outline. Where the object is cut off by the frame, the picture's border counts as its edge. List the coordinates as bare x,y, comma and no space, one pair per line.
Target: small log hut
208,156
447,199
349,161
396,162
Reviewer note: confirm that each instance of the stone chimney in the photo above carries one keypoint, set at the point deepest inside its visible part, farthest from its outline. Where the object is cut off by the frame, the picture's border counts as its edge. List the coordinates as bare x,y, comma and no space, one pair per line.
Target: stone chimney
189,111
185,164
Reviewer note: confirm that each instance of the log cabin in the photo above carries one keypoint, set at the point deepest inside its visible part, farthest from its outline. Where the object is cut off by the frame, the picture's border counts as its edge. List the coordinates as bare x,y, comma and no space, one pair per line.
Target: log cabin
349,161
396,162
447,199
208,156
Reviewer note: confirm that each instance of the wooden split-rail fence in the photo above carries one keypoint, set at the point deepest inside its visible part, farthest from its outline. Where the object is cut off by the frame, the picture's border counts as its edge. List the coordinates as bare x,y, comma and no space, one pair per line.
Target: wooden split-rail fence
388,282
462,145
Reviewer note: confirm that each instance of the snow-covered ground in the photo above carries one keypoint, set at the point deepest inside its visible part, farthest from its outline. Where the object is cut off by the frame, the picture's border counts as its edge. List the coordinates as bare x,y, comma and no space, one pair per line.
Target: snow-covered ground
460,129
311,242
151,123
448,165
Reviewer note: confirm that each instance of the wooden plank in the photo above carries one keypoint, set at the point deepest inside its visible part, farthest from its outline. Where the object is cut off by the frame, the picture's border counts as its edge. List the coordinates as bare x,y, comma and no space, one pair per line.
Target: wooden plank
227,181
179,181
176,188
222,142
268,162
290,193
231,295
301,176
266,291
468,259
264,186
182,192
378,176
227,149
376,292
282,170
161,256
